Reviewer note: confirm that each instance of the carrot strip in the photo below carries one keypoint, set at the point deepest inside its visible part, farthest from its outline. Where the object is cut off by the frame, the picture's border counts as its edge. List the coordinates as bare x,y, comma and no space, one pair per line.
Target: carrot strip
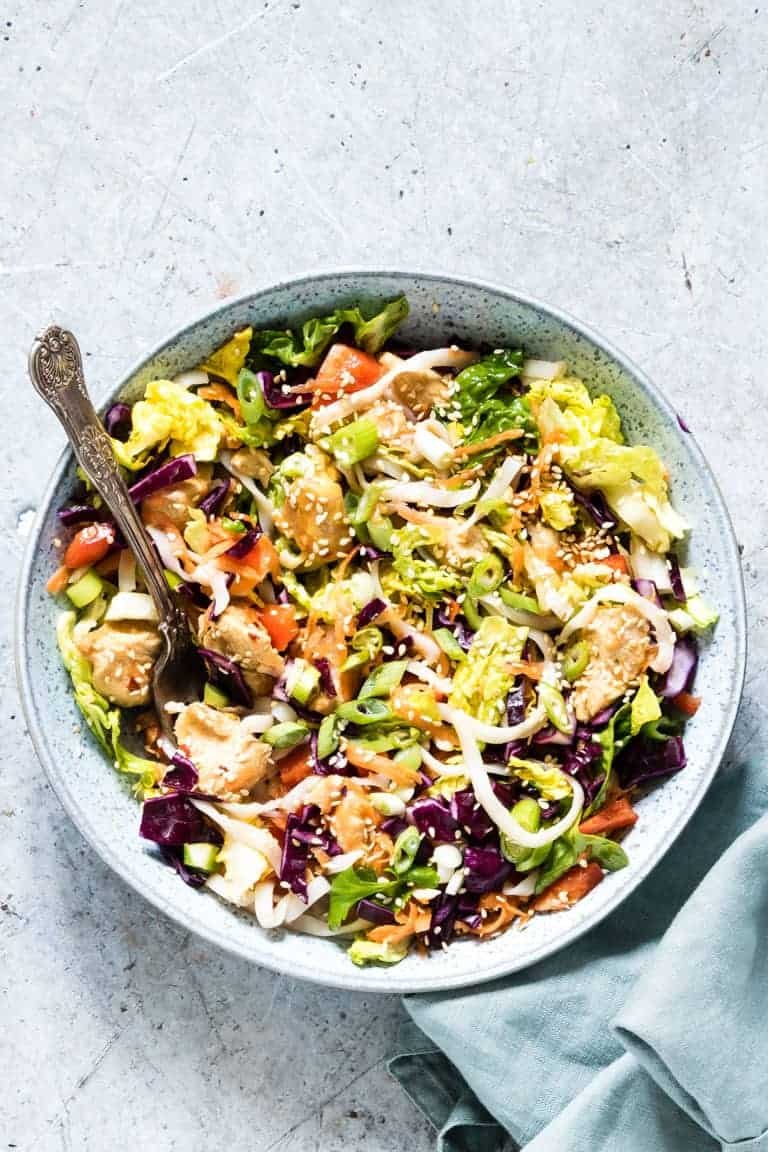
367,761
224,396
570,888
410,922
614,817
486,445
687,703
502,912
58,581
525,668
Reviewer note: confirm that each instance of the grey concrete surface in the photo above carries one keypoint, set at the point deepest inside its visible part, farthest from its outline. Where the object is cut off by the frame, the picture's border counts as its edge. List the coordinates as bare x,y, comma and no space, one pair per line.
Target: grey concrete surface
161,154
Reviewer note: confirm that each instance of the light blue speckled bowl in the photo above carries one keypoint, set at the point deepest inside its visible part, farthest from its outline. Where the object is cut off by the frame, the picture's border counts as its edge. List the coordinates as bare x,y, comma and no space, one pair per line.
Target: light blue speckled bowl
442,308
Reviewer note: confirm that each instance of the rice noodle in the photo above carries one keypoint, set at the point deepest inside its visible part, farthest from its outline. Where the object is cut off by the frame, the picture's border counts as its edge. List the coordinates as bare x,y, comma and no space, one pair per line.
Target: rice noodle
420,492
492,733
493,807
258,838
423,672
126,571
502,479
163,542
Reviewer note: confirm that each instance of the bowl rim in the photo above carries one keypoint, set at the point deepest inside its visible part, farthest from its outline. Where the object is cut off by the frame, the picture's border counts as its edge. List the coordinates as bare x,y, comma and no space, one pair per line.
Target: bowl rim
355,980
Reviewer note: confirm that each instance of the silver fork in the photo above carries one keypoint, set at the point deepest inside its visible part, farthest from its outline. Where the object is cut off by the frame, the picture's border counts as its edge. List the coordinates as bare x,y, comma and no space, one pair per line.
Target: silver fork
56,371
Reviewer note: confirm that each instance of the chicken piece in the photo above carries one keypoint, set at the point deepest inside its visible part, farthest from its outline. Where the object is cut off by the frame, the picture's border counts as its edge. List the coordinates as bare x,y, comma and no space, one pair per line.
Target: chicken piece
454,541
122,655
313,515
421,391
255,463
619,651
322,643
229,759
173,504
239,634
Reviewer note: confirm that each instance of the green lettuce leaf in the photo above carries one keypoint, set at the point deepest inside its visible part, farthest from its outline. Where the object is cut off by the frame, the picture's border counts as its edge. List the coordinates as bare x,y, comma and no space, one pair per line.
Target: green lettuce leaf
551,782
102,718
612,739
305,348
481,684
567,849
479,383
645,707
352,885
417,576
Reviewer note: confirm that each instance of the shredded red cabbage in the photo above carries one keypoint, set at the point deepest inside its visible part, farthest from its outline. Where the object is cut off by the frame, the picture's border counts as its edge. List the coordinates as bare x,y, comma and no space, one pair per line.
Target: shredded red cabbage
486,869
643,760
375,912
681,672
211,504
173,820
433,818
82,514
244,543
277,398
227,675
442,920
171,472
596,505
647,588
118,421
182,774
675,578
327,685
467,812
369,613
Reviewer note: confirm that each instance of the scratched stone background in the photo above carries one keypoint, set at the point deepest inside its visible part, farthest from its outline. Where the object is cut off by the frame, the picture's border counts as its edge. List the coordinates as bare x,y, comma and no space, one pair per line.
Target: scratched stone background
159,155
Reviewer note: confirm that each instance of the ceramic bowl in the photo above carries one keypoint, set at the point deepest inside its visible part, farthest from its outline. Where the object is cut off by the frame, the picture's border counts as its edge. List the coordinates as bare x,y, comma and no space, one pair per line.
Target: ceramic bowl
443,308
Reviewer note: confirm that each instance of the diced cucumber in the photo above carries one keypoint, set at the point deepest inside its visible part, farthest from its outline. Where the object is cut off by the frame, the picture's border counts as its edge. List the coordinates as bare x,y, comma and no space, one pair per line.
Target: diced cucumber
201,857
214,697
86,589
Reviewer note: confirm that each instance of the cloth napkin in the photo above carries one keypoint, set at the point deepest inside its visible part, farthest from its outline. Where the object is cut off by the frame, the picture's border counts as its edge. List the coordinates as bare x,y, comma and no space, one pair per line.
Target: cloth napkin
650,1034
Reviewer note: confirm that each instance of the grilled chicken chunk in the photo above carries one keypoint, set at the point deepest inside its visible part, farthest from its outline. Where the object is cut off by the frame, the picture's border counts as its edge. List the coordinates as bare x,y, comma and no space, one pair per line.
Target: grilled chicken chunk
122,655
619,651
173,504
239,634
312,514
229,759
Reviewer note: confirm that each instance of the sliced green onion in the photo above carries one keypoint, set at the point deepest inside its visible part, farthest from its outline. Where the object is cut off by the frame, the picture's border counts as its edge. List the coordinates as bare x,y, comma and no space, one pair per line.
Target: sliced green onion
406,847
388,741
471,612
235,527
387,803
302,682
201,857
449,644
214,697
519,602
380,529
410,757
172,580
422,876
287,735
528,815
383,679
253,406
367,645
328,736
86,589
366,505
486,576
575,660
354,442
555,707
370,711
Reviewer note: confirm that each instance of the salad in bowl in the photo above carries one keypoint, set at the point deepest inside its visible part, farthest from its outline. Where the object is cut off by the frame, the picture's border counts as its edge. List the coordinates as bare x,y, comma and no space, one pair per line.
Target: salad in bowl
447,638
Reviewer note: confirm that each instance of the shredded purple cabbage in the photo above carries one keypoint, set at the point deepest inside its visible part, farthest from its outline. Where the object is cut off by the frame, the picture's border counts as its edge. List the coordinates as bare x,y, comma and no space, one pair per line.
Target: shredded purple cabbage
596,505
171,472
327,685
648,589
369,613
486,869
118,421
244,543
433,818
676,578
375,912
211,504
182,774
82,514
444,910
277,398
227,675
643,760
470,816
173,820
681,672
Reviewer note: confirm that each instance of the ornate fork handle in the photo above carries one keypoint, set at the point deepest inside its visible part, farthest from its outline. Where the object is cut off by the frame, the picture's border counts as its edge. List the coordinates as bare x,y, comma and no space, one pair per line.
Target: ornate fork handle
56,371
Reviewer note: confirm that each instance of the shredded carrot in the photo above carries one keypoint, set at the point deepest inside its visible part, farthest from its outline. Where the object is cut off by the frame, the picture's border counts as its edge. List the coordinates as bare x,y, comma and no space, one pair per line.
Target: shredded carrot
58,581
454,608
223,394
613,817
570,888
687,703
616,561
108,566
534,671
345,561
517,557
296,766
486,445
460,478
500,912
410,922
367,761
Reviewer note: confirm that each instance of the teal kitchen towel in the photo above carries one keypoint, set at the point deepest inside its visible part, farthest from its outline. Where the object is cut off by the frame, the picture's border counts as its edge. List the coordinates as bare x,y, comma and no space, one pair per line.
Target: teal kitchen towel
651,1032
